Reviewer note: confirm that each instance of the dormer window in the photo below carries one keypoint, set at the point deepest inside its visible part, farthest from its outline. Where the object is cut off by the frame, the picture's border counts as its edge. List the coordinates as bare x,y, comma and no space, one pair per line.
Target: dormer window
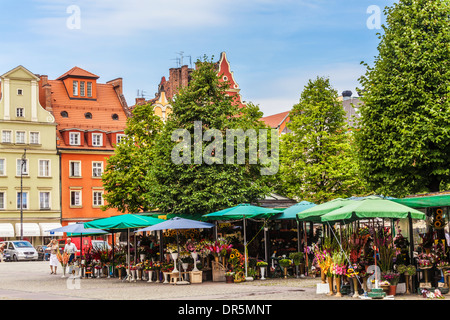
97,139
74,139
64,114
115,116
75,88
89,89
82,85
19,92
88,115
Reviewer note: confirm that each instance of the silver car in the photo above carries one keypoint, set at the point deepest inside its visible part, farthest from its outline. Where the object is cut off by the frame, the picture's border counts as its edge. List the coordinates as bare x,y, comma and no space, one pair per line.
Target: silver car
20,250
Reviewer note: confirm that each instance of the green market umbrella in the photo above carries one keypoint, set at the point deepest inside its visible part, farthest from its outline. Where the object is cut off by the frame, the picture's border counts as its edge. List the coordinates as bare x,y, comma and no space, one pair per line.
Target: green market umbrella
292,211
122,222
243,211
313,214
373,207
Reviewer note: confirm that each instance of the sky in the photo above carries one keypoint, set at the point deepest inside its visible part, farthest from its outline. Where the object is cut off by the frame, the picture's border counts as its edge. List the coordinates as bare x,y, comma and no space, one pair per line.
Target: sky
274,46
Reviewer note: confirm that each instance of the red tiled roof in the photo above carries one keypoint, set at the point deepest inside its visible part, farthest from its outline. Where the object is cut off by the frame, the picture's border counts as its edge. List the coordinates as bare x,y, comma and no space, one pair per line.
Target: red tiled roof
102,109
78,72
276,119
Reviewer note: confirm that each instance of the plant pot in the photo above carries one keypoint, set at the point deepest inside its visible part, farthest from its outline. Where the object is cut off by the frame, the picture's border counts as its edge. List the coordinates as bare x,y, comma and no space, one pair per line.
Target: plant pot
229,279
194,256
338,287
392,290
120,273
407,277
355,287
150,275
166,277
263,272
323,276
175,262
331,287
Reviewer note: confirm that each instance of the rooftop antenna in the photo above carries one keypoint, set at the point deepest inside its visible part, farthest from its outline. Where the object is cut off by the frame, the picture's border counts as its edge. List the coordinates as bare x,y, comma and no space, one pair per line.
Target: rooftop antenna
177,61
181,56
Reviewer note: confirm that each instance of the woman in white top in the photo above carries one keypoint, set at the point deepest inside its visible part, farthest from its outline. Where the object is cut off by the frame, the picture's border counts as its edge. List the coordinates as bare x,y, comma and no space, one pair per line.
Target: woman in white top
53,245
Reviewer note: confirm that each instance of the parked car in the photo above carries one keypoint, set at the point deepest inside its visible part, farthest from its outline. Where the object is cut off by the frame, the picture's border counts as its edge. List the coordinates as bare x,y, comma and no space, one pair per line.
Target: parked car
20,250
43,253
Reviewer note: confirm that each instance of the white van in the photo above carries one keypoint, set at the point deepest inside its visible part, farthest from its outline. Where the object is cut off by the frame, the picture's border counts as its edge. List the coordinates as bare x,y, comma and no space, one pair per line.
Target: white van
20,250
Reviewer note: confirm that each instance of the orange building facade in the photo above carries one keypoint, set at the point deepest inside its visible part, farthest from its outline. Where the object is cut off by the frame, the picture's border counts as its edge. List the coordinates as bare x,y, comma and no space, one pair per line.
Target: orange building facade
91,120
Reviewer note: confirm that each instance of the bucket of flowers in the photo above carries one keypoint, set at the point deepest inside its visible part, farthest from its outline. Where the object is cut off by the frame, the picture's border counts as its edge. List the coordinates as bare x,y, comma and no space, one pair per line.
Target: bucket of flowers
229,276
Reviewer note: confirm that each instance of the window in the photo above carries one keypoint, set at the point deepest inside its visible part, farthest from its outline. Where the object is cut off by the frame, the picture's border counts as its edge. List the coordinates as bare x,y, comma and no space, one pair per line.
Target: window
120,138
19,92
82,83
97,198
75,198
2,167
6,136
44,200
20,136
75,168
88,115
97,140
24,200
64,114
24,165
89,89
115,116
74,139
2,200
34,137
97,169
44,168
75,88
20,112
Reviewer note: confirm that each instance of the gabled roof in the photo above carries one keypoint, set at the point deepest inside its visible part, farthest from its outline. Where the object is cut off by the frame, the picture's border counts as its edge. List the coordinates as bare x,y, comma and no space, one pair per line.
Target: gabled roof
78,72
275,120
24,70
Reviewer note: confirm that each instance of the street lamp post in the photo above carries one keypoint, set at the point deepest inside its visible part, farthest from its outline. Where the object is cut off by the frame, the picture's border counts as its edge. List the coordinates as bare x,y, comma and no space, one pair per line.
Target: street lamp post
22,163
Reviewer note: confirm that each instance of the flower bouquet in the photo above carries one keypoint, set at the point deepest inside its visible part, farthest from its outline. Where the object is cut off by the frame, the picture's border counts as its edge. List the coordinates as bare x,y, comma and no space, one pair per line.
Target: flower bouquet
392,277
229,273
262,264
63,260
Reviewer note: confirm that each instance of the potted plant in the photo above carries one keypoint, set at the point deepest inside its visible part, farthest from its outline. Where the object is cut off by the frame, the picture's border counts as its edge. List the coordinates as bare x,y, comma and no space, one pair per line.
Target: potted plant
262,267
285,263
297,258
229,276
393,278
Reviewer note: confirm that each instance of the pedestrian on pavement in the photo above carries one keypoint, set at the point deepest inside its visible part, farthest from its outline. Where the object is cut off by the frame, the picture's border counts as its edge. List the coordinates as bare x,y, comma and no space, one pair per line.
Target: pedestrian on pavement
70,248
2,249
53,245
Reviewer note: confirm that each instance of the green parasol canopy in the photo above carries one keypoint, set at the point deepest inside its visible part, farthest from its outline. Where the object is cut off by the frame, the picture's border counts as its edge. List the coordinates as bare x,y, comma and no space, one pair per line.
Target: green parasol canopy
240,211
373,207
442,200
124,221
291,212
313,214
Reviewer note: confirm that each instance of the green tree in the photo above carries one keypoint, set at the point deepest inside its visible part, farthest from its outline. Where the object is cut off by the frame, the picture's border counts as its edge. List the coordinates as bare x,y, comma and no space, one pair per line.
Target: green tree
404,129
196,186
128,178
317,162
143,175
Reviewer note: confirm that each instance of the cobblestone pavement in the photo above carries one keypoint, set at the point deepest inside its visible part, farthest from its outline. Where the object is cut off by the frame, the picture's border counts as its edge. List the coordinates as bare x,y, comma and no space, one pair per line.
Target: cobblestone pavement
31,280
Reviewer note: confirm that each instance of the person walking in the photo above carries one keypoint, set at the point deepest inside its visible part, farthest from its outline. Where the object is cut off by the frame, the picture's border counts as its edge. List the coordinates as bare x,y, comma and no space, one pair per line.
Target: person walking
2,249
53,245
70,248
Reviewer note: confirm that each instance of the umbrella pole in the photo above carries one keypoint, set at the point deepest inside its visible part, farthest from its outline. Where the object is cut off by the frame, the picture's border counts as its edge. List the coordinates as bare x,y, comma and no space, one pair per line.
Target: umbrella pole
113,236
245,247
128,252
177,262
